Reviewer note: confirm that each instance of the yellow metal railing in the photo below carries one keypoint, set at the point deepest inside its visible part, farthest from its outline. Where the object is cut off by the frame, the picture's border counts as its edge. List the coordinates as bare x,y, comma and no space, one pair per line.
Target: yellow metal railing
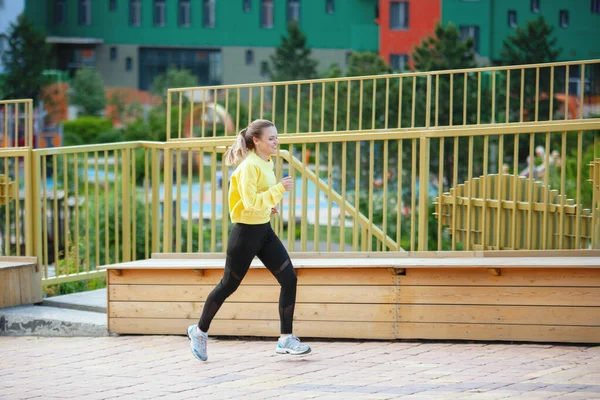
450,98
16,213
369,155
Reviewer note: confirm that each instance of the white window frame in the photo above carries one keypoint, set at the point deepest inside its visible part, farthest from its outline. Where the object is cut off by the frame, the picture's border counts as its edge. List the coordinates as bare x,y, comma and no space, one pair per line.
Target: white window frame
159,13
135,12
208,14
267,18
85,12
403,15
293,10
184,15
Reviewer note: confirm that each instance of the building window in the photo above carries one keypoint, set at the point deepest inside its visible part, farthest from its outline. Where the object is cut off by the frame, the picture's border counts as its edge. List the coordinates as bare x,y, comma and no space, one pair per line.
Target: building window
512,18
563,18
112,5
135,12
184,13
329,7
113,53
264,69
2,44
399,62
266,14
159,13
596,6
535,6
470,31
85,12
128,64
59,12
293,10
249,57
209,14
246,6
398,15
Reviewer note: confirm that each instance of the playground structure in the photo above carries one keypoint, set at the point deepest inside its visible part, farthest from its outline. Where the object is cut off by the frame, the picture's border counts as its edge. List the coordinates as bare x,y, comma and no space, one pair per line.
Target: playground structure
514,258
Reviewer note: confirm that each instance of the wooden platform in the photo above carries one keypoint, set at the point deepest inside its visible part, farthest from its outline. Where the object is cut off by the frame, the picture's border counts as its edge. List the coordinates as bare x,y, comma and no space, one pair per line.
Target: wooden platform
20,281
512,296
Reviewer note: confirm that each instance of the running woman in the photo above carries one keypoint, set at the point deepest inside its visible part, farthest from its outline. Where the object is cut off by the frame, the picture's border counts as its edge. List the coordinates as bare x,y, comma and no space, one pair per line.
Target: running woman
253,196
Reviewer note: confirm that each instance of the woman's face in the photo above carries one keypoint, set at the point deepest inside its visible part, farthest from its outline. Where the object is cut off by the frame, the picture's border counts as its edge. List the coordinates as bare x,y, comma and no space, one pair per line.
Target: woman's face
268,141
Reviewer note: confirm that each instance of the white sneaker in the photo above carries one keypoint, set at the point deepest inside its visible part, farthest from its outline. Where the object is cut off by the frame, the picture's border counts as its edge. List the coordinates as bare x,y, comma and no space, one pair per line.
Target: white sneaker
198,341
291,345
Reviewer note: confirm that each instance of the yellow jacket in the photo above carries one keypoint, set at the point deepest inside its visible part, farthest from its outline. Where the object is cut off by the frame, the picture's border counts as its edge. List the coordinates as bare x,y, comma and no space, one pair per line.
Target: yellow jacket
253,191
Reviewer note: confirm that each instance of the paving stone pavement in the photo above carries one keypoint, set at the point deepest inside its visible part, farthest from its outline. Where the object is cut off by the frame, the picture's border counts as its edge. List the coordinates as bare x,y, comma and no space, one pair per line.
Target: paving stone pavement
149,367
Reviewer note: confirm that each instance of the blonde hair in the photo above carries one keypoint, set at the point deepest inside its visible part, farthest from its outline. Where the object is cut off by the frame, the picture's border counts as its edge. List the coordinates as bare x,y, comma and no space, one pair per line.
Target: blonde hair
239,149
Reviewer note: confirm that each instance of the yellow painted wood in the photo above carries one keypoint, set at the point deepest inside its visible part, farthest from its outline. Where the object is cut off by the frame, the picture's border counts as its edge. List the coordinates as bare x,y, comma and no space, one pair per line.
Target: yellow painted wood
255,311
502,332
509,277
558,296
304,329
519,314
19,283
328,277
255,293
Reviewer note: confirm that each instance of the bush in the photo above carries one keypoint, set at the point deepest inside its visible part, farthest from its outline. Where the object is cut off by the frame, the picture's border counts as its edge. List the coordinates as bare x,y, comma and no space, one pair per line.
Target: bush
87,129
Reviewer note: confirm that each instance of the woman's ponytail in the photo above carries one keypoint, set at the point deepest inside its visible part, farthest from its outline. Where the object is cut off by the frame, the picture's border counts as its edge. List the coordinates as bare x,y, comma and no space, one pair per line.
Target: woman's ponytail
237,152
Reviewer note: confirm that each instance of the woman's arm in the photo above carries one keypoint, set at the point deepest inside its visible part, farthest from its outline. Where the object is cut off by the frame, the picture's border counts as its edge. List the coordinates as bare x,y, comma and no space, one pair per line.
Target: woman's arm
253,200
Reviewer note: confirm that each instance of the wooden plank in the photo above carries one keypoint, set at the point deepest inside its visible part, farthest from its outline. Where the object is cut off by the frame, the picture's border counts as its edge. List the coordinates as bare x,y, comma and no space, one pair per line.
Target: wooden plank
10,289
255,311
501,295
398,262
400,254
30,285
509,277
311,329
255,293
535,333
531,315
370,276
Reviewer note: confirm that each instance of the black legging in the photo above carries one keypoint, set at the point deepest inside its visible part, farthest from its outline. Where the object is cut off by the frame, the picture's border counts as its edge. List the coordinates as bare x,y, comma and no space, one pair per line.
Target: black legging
245,242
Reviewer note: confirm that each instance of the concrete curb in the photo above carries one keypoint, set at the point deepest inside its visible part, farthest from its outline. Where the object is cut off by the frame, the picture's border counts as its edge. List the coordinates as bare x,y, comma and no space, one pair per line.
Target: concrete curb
94,301
51,321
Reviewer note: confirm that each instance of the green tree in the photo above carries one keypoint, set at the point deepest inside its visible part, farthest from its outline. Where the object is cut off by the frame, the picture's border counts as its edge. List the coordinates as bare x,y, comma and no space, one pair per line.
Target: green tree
27,56
445,50
88,92
533,44
173,78
293,58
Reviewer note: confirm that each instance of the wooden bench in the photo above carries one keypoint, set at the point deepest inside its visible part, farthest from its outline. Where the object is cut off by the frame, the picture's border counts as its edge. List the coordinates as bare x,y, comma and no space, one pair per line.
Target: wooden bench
550,296
20,281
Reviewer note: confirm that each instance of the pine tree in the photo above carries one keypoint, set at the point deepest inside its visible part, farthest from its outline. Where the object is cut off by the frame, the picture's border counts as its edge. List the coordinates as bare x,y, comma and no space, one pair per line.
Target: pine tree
445,50
27,57
532,45
88,91
292,59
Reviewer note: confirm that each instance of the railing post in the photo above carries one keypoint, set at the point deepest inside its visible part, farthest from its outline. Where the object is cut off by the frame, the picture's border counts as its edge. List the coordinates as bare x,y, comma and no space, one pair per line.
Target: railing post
33,207
424,143
168,202
423,193
126,204
155,201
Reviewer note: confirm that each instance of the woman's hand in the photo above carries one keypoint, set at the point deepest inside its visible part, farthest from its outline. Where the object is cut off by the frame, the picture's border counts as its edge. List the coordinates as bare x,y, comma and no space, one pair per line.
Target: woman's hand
287,183
274,210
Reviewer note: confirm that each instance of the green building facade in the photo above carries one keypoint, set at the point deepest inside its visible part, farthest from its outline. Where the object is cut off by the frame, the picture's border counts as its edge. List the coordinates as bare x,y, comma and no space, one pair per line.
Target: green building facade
221,42
576,23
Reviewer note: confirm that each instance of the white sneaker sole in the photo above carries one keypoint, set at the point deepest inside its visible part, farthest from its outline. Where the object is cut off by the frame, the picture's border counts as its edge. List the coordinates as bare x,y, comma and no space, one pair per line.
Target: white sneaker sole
280,350
196,354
